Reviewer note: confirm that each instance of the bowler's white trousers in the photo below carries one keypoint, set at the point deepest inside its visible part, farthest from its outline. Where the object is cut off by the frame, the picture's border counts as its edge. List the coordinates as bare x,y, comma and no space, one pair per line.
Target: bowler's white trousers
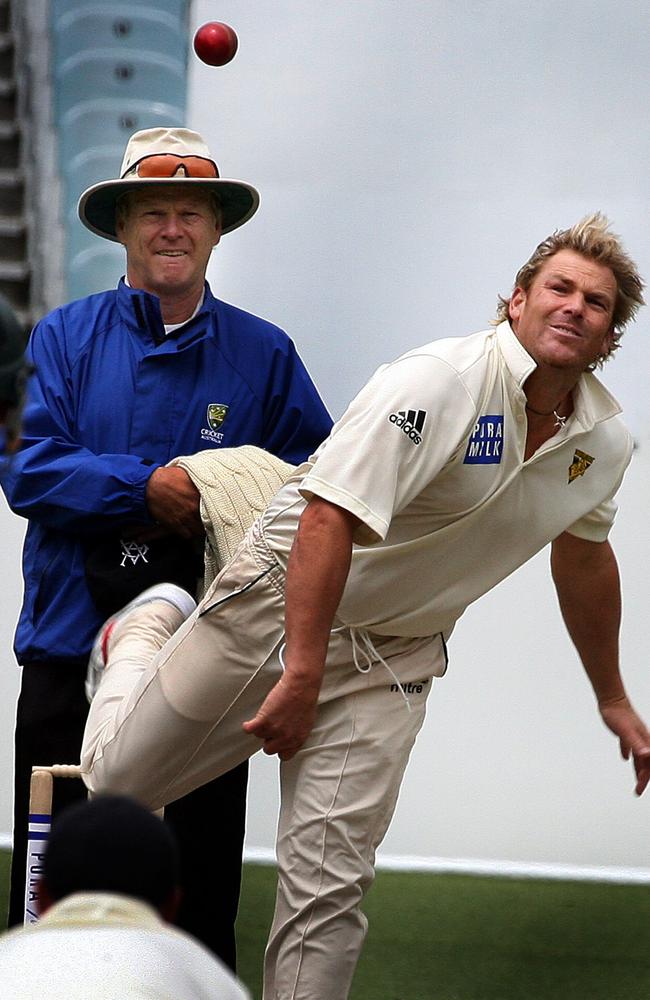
168,717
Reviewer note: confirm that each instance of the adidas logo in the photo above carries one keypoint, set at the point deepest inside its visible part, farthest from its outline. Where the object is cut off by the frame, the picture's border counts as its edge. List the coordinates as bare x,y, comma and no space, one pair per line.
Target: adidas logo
411,422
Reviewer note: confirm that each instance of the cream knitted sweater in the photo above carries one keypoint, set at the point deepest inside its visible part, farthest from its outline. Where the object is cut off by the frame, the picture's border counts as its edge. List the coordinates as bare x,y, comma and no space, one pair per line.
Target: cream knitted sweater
236,485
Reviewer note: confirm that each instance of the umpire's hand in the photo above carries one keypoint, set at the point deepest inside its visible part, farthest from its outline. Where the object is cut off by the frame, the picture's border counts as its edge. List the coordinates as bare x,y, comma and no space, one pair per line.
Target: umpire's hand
173,501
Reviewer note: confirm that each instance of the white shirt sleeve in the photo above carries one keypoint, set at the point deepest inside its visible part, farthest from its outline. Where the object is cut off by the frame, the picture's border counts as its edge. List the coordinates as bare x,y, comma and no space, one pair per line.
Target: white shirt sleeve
595,526
393,439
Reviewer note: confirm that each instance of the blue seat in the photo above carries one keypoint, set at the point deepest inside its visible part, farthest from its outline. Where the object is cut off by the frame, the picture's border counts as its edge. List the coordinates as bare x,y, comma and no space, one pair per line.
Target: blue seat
174,8
104,73
95,269
120,27
108,122
97,163
78,239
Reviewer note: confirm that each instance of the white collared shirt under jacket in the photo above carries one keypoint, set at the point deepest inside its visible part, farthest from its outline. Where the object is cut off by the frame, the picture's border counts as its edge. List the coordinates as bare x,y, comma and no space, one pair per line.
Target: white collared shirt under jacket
430,457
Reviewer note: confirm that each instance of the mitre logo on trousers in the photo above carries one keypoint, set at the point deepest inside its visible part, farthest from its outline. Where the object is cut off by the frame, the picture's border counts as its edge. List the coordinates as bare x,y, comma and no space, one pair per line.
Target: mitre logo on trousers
410,422
215,416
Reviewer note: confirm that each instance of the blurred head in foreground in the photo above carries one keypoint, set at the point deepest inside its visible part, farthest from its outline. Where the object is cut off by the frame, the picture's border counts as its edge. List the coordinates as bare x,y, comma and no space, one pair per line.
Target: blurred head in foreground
114,845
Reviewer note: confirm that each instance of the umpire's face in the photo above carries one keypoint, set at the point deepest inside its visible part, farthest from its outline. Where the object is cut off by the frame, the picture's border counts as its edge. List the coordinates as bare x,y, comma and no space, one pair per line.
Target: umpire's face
168,234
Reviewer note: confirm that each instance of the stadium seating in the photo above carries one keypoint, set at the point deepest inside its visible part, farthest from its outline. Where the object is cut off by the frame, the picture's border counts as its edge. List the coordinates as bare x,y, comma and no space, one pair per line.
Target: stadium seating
129,26
109,122
116,68
95,268
114,74
176,8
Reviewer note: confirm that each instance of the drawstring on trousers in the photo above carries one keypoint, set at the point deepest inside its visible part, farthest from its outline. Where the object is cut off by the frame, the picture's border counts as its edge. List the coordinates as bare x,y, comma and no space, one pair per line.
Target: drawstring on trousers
363,646
364,649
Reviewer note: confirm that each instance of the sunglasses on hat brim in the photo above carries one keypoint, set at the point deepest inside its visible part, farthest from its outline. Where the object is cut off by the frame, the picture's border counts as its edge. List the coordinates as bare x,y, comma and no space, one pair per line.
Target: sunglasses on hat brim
171,165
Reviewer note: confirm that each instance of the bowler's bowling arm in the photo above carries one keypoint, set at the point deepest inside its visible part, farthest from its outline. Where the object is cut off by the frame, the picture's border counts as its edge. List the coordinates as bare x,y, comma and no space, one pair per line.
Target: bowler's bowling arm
587,581
318,567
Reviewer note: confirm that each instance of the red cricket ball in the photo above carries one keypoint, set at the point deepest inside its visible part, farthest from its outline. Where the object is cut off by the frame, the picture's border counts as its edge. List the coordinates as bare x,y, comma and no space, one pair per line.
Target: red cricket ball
215,43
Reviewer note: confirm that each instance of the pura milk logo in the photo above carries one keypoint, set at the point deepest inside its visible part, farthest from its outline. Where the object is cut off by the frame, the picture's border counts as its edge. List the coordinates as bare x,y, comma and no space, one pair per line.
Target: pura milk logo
485,446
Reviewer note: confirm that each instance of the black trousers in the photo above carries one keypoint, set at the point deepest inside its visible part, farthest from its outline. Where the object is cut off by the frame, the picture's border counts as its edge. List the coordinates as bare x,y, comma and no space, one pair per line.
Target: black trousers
209,823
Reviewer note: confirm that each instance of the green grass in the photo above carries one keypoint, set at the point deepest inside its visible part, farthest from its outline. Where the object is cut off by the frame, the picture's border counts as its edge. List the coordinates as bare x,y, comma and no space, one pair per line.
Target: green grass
468,938
452,937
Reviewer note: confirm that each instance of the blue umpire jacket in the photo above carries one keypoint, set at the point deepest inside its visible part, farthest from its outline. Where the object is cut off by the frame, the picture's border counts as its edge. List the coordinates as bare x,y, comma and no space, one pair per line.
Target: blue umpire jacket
112,399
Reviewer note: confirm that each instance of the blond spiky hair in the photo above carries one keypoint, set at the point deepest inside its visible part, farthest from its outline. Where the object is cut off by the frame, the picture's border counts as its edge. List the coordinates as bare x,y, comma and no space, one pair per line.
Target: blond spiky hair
592,238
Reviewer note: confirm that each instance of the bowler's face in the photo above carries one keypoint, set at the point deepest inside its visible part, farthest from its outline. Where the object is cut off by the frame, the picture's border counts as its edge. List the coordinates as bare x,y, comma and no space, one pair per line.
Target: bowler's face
564,320
169,236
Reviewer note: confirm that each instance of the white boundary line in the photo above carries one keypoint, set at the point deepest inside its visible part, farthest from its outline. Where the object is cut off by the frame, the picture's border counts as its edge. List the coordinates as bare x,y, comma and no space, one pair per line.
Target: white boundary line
497,869
471,866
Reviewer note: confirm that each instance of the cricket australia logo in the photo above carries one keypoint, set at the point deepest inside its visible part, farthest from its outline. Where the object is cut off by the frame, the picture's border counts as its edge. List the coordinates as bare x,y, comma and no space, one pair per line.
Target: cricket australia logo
132,552
411,423
485,446
215,416
579,465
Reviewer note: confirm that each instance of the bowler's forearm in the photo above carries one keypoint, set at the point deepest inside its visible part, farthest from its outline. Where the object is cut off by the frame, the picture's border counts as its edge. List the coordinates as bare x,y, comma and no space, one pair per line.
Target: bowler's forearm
318,568
588,587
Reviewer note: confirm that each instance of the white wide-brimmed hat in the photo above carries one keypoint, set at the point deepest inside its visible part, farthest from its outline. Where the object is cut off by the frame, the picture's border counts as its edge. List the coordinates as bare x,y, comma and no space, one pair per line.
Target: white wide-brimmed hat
144,167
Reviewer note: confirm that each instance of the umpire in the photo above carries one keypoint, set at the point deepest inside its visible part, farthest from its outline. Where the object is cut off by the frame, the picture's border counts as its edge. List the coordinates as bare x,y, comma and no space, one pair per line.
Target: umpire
124,381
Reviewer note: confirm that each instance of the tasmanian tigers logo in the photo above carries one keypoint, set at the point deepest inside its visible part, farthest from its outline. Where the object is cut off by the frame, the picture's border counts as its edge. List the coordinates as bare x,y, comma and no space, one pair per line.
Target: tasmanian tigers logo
579,465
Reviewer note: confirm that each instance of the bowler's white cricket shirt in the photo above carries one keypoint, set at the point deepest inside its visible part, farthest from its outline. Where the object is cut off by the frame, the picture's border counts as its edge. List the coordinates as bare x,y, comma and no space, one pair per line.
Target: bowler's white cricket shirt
430,457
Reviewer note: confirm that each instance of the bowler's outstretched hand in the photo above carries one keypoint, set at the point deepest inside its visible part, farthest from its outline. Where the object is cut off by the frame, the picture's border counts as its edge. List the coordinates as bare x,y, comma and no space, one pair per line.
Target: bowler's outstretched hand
633,736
